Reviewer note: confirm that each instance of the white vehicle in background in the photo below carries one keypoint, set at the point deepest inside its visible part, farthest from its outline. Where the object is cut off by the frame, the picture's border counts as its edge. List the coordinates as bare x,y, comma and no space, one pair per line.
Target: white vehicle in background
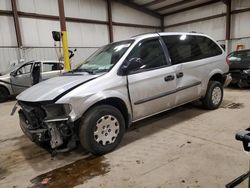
18,78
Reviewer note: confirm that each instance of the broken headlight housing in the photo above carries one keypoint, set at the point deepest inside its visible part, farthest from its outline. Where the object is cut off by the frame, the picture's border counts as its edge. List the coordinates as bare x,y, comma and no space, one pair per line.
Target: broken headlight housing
57,110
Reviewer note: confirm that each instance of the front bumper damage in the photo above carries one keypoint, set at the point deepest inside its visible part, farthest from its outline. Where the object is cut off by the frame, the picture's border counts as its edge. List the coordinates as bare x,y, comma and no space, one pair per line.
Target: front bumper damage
241,77
46,128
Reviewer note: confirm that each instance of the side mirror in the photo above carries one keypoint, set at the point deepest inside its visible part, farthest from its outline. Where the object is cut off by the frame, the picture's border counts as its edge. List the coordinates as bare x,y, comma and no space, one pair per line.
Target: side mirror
133,64
56,36
13,73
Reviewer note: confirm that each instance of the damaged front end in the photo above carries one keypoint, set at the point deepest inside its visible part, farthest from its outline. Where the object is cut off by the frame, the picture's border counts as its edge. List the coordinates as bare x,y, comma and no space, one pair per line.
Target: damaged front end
48,125
241,77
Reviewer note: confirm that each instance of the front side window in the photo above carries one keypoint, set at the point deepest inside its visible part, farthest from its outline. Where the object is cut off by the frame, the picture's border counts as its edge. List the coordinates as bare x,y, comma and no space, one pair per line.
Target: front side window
25,69
185,48
150,54
104,58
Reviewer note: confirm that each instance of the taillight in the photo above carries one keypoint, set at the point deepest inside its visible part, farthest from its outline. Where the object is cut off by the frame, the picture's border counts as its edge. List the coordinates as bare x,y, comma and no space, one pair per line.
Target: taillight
227,60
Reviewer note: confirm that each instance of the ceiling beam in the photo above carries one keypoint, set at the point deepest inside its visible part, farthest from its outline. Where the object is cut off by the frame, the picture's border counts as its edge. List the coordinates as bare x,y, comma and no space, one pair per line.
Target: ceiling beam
179,3
197,20
152,3
192,7
139,8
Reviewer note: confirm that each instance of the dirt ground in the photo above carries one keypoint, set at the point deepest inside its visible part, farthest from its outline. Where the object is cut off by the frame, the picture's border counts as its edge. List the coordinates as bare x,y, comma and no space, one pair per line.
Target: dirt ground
184,147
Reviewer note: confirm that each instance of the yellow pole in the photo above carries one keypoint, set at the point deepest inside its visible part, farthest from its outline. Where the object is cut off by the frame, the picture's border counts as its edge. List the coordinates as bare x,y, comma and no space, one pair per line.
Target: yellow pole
64,35
67,66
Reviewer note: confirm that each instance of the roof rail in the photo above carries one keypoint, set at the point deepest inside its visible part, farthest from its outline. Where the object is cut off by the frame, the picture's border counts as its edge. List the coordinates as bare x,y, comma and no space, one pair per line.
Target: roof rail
144,34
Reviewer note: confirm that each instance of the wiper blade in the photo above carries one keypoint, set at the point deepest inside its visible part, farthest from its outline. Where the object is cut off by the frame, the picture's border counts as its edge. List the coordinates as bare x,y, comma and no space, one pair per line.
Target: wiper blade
83,70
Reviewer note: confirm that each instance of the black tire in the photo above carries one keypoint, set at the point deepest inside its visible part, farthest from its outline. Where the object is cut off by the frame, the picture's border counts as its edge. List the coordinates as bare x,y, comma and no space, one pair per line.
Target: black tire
4,94
88,126
241,84
208,101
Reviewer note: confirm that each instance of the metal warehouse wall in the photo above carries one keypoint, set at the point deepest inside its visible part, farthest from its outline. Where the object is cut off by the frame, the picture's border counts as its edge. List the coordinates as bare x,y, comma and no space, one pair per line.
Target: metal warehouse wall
86,37
215,27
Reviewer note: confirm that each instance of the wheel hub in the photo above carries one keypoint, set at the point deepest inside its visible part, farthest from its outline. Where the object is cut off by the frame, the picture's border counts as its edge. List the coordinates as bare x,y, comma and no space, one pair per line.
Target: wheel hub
216,95
106,130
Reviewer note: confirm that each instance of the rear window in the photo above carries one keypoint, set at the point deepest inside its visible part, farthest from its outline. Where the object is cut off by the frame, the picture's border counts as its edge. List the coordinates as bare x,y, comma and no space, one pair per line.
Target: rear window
240,56
185,48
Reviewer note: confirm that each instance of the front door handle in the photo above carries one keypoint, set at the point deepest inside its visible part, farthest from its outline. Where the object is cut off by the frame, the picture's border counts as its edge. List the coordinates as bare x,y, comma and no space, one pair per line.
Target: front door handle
169,78
179,75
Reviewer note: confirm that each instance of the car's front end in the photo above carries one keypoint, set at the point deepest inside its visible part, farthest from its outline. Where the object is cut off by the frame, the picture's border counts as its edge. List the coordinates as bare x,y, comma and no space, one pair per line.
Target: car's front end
48,124
44,120
50,112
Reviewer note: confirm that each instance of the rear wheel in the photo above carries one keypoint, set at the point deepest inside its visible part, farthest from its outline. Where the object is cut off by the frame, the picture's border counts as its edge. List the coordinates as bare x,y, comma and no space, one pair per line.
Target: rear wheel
4,94
214,95
101,129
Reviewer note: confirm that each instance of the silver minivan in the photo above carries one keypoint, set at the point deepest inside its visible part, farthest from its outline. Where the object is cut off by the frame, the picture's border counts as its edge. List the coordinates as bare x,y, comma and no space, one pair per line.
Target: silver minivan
22,76
122,83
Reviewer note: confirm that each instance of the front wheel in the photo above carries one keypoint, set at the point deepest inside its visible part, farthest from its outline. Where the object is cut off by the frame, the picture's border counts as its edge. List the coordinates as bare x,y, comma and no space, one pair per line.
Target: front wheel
101,129
214,95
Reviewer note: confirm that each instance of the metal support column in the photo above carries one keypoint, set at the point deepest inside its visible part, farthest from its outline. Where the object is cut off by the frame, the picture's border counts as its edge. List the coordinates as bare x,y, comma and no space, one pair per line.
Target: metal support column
228,24
162,24
17,29
64,35
110,21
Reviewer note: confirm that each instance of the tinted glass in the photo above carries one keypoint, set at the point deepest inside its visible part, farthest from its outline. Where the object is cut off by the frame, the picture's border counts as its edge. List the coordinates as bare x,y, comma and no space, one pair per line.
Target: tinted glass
47,67
185,48
150,53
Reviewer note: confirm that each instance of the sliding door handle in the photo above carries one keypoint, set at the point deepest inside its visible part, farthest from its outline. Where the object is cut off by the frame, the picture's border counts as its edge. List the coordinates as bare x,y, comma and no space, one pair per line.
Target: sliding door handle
169,78
179,75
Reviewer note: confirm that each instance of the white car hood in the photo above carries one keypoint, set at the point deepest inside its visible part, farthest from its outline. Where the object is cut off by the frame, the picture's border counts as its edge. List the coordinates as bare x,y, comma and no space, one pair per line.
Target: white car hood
51,89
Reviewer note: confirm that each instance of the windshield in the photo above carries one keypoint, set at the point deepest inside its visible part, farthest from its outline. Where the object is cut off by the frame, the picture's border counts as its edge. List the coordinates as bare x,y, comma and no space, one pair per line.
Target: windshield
104,58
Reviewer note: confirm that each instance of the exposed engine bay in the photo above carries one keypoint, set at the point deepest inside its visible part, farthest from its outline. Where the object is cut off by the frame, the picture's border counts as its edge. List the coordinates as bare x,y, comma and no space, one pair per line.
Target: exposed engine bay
48,125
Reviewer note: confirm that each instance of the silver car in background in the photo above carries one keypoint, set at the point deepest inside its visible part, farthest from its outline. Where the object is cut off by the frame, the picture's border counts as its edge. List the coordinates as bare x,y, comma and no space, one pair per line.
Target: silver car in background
122,83
22,76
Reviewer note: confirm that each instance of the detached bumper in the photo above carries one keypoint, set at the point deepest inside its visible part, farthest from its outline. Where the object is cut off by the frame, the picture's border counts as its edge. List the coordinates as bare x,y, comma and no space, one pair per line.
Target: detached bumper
227,79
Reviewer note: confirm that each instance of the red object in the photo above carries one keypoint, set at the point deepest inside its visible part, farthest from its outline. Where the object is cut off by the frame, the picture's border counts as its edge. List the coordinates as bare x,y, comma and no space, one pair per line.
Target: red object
227,60
240,47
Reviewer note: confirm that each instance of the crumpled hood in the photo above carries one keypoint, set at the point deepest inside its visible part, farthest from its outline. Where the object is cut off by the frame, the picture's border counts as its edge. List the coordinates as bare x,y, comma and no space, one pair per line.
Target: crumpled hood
50,89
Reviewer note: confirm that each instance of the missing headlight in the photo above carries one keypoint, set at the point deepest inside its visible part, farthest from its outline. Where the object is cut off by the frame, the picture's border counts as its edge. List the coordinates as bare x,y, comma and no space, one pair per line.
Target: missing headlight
57,110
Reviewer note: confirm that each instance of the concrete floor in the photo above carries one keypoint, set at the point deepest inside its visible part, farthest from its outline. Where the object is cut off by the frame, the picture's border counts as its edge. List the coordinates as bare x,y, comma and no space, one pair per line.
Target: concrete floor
185,147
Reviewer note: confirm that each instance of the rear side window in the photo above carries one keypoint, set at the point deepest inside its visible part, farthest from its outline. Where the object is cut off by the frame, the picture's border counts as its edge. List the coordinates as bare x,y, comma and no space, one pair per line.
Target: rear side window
47,67
185,48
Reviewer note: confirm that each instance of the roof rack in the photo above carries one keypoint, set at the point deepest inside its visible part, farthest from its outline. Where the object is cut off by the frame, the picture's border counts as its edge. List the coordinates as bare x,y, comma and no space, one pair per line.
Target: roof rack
144,34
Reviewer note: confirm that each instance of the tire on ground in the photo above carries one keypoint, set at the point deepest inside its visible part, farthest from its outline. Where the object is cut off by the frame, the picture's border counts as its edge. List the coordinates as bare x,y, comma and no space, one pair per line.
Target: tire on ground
214,95
4,94
101,116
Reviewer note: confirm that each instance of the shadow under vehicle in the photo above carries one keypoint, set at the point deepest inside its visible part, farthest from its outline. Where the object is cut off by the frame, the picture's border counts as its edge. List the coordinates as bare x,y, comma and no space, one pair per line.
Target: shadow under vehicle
239,67
22,76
